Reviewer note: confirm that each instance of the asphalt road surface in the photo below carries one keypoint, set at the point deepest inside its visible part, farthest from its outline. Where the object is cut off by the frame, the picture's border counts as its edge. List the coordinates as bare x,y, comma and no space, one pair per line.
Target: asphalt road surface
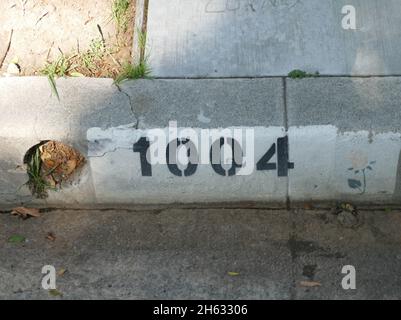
208,253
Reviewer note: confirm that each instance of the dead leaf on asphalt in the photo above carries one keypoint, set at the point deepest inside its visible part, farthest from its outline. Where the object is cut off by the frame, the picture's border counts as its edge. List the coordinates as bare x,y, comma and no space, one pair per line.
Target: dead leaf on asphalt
310,284
50,236
55,293
25,213
61,272
348,207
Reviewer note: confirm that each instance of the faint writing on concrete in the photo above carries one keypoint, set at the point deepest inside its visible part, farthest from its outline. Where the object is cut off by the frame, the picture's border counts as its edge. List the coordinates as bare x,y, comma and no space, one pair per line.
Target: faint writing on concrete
221,6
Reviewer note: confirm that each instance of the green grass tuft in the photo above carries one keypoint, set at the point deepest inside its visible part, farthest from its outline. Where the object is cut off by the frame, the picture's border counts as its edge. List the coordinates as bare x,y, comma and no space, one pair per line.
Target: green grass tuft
95,53
58,68
36,182
132,72
300,74
119,14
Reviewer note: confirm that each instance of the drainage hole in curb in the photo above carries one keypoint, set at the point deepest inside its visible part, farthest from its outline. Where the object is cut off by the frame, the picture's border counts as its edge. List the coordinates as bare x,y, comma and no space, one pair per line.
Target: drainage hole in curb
49,164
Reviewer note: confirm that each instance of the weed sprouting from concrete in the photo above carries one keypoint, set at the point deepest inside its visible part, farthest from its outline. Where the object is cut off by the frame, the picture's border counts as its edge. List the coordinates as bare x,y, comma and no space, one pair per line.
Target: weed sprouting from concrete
36,182
300,74
141,70
132,72
141,40
49,164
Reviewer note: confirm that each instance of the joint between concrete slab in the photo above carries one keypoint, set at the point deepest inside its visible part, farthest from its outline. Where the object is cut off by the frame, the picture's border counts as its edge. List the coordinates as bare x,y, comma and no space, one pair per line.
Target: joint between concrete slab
141,15
285,119
285,115
272,77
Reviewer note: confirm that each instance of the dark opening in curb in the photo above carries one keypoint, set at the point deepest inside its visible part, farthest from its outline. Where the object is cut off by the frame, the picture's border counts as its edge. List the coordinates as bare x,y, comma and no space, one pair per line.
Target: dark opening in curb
49,164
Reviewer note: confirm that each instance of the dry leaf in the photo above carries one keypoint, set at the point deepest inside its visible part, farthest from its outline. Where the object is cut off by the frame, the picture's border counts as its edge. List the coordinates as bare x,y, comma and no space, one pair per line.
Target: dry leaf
61,272
50,236
55,293
50,181
70,166
310,284
25,213
348,207
59,161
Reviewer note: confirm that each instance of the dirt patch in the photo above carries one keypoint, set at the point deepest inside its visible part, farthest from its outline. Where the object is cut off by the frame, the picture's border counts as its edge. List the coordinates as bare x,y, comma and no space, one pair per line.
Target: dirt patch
44,31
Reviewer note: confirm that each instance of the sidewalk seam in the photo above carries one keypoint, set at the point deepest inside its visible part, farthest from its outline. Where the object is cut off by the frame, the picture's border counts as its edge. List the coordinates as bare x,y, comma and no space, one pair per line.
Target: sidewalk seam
274,77
285,117
285,104
140,24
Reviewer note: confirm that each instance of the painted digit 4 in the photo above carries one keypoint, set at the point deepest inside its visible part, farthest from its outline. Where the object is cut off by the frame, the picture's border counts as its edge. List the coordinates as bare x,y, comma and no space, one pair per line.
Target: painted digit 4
283,165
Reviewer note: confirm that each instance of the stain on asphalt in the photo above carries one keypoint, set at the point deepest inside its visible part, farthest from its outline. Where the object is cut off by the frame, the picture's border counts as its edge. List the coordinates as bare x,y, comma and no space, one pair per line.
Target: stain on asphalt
309,271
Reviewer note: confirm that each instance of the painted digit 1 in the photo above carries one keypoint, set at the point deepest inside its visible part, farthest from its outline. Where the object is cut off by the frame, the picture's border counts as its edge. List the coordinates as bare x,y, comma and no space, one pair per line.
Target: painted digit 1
142,147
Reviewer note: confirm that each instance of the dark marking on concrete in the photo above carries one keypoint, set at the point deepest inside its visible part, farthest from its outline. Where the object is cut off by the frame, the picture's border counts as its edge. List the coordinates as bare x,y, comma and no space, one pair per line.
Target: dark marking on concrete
334,255
397,191
298,248
309,271
370,136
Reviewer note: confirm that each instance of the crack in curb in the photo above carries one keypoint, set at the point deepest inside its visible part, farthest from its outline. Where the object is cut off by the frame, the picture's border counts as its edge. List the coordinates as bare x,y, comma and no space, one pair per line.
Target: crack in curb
137,119
108,152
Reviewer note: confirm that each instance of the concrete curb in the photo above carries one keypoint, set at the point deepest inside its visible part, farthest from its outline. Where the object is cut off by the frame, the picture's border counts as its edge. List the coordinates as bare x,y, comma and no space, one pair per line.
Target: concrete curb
344,138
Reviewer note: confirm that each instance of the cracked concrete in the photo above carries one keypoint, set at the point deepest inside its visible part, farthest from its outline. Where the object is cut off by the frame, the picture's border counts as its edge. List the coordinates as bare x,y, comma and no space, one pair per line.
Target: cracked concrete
226,102
131,105
103,122
33,114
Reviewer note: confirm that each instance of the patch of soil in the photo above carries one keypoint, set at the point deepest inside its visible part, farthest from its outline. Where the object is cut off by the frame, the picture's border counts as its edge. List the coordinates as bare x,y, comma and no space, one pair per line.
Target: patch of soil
45,29
49,164
59,162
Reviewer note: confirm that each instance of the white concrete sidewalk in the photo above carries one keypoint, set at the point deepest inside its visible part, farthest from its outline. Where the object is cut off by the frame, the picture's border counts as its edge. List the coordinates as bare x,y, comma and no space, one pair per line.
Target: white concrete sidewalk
248,38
